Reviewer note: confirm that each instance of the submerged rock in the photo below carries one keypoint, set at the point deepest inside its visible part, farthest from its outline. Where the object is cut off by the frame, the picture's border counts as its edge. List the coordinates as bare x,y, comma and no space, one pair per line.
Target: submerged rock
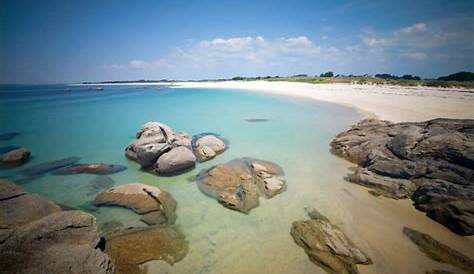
239,183
46,167
7,149
15,157
8,136
36,236
207,146
438,251
99,183
100,168
131,248
430,162
327,246
158,148
257,120
156,206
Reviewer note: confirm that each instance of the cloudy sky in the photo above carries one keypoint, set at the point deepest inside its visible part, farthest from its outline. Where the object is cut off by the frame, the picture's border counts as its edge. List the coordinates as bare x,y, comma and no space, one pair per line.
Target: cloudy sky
72,41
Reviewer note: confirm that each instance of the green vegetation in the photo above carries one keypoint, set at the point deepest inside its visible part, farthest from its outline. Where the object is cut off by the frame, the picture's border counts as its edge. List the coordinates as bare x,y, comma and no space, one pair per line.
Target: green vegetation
462,76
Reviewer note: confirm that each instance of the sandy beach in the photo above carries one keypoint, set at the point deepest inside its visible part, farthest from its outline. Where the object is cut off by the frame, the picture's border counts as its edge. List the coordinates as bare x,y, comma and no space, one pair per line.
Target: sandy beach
393,103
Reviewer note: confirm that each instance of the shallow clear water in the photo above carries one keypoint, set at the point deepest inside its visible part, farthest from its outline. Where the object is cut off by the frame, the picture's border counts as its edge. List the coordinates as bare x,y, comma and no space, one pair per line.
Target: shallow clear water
57,121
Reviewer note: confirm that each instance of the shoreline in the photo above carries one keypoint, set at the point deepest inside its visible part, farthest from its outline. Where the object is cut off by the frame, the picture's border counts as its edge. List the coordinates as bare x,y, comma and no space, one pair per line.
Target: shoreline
393,103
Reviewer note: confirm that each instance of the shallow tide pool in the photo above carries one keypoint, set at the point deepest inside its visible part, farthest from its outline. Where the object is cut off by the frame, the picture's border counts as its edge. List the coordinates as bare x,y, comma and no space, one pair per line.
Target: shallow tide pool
58,121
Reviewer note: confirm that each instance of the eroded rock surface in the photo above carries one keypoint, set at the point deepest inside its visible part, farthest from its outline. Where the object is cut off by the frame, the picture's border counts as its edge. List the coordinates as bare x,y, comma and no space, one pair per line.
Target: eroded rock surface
430,162
36,236
159,149
239,183
156,206
438,251
131,248
327,246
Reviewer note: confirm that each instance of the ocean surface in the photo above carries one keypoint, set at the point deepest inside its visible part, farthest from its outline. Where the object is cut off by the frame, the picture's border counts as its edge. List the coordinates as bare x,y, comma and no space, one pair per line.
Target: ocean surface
61,121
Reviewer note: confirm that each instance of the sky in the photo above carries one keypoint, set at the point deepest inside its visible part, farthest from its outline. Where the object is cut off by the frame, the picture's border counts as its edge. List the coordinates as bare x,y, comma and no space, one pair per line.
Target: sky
73,41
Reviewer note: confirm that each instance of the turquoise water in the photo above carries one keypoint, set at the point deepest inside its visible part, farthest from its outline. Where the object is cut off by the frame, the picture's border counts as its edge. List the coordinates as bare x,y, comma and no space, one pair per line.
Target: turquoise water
58,121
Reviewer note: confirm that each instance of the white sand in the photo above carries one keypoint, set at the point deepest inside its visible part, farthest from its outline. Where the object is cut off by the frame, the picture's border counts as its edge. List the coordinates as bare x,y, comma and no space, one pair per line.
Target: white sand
394,103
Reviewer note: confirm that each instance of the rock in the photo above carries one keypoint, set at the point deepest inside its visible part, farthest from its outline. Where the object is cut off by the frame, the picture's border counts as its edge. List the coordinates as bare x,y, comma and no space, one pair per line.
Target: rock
129,249
8,136
175,161
100,168
181,139
143,199
62,242
148,154
327,246
46,167
36,236
207,146
430,162
438,251
257,120
239,183
15,157
18,207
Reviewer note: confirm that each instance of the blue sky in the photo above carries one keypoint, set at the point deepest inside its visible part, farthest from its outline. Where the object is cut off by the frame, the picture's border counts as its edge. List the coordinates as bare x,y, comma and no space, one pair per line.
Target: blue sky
71,41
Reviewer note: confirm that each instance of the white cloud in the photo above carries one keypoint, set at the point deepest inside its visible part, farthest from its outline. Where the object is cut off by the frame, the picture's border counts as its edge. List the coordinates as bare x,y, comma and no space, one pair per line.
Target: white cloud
413,29
414,55
373,41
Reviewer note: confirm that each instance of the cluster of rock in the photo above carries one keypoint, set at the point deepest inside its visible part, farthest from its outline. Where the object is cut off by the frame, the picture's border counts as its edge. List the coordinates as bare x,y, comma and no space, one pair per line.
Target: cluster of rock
430,162
327,246
161,240
37,236
239,183
158,148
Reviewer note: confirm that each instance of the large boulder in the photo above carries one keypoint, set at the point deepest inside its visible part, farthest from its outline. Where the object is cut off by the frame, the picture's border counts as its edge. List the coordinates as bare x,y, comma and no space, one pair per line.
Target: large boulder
207,146
156,206
36,236
239,183
327,246
131,248
15,157
176,160
430,162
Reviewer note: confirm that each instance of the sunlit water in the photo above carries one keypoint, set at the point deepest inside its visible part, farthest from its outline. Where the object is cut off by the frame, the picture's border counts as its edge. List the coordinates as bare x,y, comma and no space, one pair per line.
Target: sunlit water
57,121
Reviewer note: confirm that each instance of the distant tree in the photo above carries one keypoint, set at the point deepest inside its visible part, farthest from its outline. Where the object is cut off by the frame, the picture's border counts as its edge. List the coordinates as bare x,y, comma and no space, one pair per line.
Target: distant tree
237,78
410,77
387,76
460,76
327,74
300,75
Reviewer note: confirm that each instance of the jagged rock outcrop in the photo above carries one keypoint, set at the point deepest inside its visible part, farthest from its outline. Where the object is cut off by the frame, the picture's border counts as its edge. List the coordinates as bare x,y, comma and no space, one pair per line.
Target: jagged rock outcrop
159,149
156,206
36,236
430,162
239,183
15,157
327,246
438,251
